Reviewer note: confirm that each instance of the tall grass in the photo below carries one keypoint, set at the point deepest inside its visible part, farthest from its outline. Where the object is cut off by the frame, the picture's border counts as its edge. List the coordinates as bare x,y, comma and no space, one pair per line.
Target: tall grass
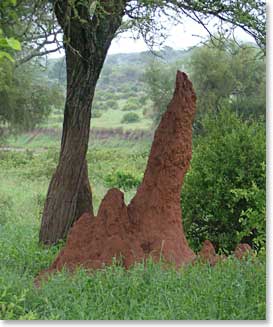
231,290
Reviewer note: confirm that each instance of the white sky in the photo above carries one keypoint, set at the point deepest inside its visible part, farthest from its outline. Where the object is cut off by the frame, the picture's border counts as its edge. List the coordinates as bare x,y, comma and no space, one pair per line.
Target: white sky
180,37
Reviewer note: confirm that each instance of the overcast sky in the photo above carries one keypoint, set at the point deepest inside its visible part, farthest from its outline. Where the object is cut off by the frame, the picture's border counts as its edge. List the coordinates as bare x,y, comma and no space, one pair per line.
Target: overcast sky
180,37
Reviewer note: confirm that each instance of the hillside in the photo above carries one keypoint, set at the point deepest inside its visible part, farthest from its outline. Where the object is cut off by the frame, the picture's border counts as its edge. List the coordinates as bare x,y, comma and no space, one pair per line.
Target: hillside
120,89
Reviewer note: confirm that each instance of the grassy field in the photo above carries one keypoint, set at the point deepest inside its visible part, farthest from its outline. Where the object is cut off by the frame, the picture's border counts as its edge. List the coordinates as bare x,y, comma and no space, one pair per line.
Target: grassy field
108,118
231,290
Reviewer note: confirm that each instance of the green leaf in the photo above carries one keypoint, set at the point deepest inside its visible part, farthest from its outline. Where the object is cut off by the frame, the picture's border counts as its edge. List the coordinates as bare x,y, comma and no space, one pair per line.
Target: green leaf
3,42
4,54
14,44
92,8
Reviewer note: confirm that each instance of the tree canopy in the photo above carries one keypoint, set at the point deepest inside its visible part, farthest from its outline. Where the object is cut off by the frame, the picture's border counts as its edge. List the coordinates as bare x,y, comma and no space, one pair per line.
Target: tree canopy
229,75
26,97
34,24
225,74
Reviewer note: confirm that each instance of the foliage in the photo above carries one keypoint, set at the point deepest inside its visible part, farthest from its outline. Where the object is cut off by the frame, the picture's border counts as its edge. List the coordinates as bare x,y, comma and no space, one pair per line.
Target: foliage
160,79
112,104
131,105
30,166
96,114
8,45
226,74
223,196
123,180
56,70
26,100
229,14
253,218
124,87
130,117
141,293
32,26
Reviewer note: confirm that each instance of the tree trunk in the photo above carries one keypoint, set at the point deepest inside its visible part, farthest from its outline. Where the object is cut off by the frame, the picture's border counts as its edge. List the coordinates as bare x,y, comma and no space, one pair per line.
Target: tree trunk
69,194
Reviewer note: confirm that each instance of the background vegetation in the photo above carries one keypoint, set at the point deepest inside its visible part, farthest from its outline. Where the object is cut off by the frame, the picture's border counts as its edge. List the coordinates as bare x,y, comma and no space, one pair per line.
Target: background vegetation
223,197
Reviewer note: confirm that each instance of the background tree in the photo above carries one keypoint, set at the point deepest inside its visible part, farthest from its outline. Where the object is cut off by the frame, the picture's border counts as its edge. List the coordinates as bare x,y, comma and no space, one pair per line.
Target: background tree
159,78
228,74
88,29
26,100
225,74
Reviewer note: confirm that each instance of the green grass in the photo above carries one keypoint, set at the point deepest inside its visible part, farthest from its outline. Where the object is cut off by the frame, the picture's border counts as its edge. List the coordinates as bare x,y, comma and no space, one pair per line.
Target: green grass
27,141
231,290
110,118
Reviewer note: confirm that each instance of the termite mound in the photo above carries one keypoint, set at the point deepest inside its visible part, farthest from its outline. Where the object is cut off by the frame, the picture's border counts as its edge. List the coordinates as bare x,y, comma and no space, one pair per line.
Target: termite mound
151,225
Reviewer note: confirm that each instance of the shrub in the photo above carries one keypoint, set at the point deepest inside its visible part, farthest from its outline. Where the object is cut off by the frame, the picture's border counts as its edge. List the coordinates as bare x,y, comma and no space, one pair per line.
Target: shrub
99,106
123,180
131,117
223,197
96,114
130,106
107,95
28,165
112,104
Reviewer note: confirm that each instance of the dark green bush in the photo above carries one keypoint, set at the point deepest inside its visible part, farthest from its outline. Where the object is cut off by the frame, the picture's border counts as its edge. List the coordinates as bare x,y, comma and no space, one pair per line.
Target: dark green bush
131,117
96,114
130,106
223,196
123,180
112,104
99,106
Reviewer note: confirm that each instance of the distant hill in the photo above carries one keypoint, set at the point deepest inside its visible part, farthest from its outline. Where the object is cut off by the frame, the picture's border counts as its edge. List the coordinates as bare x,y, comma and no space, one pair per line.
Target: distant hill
120,68
121,87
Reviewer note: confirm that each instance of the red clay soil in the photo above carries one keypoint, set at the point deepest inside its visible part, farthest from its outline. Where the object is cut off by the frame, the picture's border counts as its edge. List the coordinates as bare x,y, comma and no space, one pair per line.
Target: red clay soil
208,254
242,250
151,224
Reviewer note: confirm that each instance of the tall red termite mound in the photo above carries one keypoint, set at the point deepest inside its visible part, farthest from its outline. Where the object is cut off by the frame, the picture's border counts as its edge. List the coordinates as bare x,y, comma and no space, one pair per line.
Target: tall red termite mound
151,224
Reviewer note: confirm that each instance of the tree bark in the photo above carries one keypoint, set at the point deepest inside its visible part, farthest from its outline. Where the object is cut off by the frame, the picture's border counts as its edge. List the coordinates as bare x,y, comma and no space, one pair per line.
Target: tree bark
87,39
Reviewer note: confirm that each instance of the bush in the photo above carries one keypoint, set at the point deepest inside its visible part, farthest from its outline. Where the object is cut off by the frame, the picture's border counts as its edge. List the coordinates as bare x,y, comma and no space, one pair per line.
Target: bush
28,165
99,106
129,106
96,114
123,180
112,104
131,117
223,197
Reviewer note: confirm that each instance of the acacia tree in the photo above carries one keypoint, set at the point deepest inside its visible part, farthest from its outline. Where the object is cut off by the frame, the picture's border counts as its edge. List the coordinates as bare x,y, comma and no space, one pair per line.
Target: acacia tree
225,74
88,28
25,100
